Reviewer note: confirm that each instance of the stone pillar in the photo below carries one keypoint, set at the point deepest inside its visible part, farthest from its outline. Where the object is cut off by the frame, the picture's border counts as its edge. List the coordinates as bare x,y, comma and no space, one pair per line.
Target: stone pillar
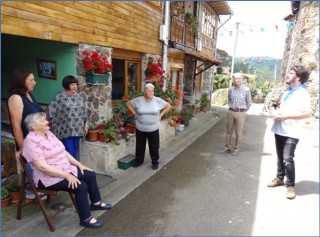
97,97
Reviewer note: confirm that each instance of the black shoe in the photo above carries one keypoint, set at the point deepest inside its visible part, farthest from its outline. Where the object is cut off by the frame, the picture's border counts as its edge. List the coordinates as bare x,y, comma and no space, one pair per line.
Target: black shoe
87,224
99,207
155,166
136,164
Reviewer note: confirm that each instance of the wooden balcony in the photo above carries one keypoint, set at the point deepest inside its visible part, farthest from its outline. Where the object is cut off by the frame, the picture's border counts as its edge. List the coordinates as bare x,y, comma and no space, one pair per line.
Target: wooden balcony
181,34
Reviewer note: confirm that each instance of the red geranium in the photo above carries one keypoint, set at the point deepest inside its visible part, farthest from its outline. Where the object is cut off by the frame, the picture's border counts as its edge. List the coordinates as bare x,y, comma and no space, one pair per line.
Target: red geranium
154,68
96,63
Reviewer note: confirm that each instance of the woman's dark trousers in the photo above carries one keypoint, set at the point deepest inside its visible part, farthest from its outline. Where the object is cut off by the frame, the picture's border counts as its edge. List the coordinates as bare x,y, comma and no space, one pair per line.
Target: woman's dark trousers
88,185
153,142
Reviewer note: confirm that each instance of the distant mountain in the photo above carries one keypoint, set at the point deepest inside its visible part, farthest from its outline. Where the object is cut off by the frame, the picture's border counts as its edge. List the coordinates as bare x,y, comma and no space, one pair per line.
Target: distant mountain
266,68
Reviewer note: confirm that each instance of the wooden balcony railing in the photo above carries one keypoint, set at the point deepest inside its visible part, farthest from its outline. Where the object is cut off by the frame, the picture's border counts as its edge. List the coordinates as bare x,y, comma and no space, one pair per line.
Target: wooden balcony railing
181,33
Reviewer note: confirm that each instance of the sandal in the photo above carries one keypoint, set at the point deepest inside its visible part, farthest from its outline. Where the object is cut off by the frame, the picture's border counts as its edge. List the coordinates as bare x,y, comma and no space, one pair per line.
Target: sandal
100,206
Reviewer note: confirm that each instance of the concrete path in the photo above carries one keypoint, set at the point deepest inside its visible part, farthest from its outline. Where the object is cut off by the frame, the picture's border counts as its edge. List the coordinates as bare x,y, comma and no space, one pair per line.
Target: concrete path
67,223
203,192
199,191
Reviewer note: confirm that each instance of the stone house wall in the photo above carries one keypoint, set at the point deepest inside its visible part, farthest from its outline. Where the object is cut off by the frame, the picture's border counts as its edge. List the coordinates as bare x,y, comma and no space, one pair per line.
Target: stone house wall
302,47
97,97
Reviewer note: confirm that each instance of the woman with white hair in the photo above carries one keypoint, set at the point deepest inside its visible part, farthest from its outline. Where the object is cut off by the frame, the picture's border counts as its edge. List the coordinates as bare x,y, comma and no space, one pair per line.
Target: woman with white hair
148,110
55,169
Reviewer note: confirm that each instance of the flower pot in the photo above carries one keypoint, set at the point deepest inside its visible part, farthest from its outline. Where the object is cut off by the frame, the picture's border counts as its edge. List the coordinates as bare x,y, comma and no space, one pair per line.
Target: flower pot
131,128
92,135
153,78
5,202
205,108
96,78
15,196
101,137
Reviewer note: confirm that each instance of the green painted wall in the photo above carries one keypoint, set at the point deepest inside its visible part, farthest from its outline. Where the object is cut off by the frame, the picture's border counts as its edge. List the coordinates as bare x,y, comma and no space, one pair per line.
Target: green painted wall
23,52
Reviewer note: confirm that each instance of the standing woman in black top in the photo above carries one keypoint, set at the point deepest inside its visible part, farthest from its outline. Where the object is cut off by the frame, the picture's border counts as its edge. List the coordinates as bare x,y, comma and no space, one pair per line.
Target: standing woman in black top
21,103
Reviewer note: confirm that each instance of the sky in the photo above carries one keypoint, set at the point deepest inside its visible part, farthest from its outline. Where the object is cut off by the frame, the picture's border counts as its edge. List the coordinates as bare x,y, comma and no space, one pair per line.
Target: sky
262,30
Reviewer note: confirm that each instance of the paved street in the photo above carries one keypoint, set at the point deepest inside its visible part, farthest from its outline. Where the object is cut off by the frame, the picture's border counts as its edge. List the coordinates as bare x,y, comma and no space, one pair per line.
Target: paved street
204,192
198,190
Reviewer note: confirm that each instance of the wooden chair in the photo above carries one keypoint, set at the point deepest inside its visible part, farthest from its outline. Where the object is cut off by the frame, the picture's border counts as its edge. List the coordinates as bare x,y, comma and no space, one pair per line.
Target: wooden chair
28,184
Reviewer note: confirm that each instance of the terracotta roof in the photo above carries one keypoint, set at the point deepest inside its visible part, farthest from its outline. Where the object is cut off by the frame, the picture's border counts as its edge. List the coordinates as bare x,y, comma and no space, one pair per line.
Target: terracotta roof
222,53
204,57
221,8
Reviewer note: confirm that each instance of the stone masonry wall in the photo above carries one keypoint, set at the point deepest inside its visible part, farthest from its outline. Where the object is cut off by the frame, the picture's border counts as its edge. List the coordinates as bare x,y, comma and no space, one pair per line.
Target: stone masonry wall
302,47
97,97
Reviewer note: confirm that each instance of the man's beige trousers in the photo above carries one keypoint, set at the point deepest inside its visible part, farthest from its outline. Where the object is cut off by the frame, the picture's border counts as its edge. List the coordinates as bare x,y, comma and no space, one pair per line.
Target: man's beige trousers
235,121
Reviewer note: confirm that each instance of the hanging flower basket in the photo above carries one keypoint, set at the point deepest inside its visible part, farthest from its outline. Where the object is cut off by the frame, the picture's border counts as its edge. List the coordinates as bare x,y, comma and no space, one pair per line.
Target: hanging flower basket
154,70
97,78
97,67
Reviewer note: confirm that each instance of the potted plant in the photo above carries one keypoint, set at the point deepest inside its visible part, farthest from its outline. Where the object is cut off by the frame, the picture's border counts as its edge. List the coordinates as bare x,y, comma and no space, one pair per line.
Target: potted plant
154,70
204,102
196,106
193,22
115,131
177,8
97,67
110,135
101,128
92,135
14,191
5,198
121,110
185,116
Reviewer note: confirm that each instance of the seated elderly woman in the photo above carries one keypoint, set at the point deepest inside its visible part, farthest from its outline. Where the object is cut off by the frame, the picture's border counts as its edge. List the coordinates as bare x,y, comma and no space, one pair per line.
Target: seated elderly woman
55,169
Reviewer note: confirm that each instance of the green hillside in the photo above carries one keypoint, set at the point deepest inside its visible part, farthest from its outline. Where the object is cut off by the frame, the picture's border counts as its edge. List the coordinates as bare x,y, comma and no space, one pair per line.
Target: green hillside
265,68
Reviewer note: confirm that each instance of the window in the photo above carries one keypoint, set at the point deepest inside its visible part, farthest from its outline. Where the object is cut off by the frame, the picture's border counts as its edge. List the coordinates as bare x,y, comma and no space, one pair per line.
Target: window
174,78
208,29
125,77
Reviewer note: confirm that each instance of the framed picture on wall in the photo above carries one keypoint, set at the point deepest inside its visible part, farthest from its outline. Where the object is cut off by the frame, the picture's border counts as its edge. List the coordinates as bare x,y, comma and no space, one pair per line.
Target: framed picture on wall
47,69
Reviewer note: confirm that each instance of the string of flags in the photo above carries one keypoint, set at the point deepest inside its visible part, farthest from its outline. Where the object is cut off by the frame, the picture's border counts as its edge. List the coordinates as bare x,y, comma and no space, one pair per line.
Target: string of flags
244,28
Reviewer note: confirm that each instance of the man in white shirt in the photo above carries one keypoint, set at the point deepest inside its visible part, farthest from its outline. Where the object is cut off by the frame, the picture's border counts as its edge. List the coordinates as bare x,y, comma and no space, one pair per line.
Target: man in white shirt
294,107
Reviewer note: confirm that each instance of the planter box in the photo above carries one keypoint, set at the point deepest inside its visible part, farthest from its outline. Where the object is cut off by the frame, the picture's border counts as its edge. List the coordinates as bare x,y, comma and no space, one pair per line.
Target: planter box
126,162
96,78
103,157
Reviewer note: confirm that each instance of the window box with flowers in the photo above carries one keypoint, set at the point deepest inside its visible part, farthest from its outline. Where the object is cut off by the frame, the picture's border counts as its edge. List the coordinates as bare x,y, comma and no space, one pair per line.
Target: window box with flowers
97,67
154,70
